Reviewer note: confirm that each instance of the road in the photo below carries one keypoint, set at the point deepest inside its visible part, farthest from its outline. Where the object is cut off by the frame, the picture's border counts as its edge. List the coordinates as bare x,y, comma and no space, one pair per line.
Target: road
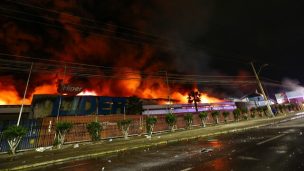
275,147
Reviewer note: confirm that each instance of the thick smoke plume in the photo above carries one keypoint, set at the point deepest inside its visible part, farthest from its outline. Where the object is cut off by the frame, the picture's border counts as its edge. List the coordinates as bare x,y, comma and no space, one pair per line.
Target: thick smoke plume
293,85
58,33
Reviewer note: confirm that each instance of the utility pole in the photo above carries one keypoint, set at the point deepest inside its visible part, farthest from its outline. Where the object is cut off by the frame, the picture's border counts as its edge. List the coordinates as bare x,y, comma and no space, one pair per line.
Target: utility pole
27,83
169,100
262,90
60,95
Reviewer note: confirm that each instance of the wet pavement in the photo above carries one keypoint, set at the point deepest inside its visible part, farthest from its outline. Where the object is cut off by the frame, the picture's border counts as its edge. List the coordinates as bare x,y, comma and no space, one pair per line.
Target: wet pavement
276,147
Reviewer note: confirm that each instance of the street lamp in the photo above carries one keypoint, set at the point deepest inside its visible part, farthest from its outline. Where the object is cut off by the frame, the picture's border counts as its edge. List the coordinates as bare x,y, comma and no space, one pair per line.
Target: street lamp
261,87
263,66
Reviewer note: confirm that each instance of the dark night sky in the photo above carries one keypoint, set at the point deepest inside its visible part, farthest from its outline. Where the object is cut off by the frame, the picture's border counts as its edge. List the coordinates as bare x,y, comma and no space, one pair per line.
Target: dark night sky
193,36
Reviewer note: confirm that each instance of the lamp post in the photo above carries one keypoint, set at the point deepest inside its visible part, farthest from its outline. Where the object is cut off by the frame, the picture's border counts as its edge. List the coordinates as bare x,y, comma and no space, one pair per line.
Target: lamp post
27,83
261,87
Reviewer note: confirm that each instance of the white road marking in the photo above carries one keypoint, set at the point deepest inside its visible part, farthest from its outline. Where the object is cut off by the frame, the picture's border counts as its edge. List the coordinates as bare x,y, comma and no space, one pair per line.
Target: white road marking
81,164
270,139
187,169
248,158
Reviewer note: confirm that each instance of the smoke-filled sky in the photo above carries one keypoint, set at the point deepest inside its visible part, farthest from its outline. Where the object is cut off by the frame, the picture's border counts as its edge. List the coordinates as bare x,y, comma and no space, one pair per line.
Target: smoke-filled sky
205,37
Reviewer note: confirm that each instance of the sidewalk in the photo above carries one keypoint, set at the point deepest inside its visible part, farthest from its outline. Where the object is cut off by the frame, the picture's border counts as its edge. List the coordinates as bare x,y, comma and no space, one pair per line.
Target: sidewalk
32,159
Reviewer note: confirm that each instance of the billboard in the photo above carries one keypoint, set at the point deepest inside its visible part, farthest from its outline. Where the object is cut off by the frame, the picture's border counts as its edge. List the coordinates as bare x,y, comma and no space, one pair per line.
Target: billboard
53,105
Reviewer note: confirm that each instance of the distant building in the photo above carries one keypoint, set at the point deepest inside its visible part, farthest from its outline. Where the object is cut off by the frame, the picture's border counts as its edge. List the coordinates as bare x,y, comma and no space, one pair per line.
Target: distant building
11,112
290,97
256,100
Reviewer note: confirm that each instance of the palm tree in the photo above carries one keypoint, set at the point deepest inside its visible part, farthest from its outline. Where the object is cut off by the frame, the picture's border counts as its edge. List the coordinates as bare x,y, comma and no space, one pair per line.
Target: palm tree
194,97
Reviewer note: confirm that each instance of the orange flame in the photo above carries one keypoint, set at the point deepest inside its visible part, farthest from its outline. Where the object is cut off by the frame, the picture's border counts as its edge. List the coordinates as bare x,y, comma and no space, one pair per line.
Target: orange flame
87,93
133,84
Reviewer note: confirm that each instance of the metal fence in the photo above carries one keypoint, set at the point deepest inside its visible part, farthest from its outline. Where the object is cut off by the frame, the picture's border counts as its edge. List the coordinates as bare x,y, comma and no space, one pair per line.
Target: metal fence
41,132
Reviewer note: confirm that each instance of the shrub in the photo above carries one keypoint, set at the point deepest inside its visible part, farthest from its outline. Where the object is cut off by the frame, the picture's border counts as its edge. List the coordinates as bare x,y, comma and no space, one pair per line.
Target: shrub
171,121
150,122
94,129
13,135
225,115
62,128
215,115
189,120
236,114
203,116
124,126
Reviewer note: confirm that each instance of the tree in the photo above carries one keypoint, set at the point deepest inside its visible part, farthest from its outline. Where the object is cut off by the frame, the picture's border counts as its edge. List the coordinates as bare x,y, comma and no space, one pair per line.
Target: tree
203,116
171,121
253,112
134,105
236,114
215,115
150,122
244,112
62,128
124,126
281,108
194,97
260,111
277,109
94,129
225,115
293,107
189,120
265,110
13,135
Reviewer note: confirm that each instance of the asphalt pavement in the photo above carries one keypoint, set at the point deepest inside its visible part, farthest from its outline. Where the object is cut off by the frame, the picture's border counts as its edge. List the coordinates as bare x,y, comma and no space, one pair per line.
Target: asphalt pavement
275,147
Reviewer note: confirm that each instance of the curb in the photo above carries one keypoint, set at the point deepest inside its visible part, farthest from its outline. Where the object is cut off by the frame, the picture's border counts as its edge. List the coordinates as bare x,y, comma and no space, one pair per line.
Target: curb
99,154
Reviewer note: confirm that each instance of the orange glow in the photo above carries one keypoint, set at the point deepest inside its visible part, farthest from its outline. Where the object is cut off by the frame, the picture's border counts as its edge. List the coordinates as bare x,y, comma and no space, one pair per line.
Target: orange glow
10,96
205,98
215,144
87,93
132,85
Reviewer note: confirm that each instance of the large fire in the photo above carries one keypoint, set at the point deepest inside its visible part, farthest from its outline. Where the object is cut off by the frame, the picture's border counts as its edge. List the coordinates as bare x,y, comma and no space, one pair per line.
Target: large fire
145,89
74,46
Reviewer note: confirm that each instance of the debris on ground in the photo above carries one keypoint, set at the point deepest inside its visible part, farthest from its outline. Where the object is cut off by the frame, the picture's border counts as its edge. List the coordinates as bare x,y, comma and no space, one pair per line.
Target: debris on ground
76,146
42,149
110,140
206,150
